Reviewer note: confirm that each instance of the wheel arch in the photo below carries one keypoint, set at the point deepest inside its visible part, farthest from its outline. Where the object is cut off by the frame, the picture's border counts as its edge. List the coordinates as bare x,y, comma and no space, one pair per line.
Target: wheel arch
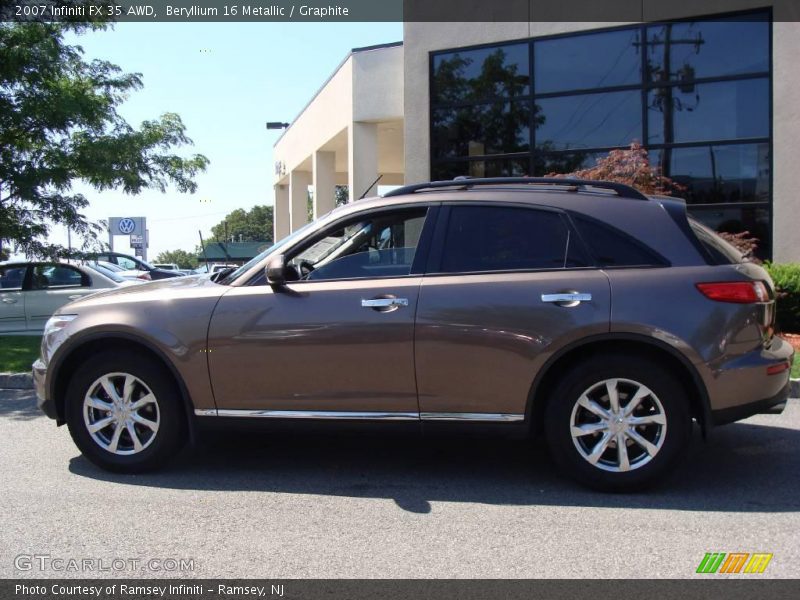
90,345
583,349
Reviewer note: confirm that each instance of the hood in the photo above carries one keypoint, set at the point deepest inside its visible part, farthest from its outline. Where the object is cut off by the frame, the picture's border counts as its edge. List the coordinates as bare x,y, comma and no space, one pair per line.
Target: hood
162,290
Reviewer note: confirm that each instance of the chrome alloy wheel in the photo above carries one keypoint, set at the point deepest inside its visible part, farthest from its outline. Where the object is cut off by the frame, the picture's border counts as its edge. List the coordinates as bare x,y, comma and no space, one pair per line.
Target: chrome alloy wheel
618,425
121,413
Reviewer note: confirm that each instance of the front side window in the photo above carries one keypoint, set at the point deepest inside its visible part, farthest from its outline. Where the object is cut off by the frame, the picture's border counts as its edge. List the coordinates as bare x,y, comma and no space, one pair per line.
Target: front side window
383,245
11,278
57,276
488,238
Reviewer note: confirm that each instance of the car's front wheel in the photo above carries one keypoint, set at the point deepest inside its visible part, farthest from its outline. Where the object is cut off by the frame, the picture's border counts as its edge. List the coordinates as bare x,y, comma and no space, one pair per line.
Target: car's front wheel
124,413
617,423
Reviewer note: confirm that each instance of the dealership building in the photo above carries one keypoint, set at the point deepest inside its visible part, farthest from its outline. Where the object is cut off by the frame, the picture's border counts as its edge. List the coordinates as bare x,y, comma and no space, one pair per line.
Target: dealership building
714,98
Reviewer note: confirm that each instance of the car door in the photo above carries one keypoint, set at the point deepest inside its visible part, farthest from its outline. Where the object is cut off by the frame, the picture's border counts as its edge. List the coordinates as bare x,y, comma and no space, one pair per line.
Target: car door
12,298
507,286
337,341
51,287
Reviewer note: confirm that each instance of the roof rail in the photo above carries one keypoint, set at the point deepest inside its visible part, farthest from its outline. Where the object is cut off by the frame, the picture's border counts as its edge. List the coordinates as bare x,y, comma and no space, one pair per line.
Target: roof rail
574,185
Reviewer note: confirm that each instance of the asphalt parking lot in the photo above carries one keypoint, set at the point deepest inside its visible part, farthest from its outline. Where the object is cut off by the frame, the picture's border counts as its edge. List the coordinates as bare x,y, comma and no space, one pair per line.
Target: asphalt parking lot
258,505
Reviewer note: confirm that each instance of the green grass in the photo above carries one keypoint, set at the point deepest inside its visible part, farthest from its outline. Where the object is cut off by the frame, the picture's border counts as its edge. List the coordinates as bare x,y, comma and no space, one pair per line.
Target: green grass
796,368
17,352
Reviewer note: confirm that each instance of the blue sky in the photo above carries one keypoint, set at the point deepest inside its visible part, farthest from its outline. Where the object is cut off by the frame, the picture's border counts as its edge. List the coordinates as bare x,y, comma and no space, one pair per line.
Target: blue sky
225,80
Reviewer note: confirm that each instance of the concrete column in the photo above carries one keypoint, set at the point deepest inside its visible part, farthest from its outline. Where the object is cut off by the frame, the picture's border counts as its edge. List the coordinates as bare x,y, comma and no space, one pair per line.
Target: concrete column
280,216
324,176
362,159
298,198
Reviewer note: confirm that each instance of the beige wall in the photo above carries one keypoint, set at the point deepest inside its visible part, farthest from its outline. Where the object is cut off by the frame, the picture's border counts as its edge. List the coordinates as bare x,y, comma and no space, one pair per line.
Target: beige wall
422,38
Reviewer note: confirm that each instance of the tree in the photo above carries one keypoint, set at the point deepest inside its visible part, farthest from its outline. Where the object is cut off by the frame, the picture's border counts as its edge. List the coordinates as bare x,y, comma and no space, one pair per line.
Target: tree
630,166
254,225
184,260
59,124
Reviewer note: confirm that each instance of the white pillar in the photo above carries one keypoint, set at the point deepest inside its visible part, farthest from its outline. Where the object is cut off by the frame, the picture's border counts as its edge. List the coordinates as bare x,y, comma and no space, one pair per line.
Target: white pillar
298,198
280,215
362,159
324,173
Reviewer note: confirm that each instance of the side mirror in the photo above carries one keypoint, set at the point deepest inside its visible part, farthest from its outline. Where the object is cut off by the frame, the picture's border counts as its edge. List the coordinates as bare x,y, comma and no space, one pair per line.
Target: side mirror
276,271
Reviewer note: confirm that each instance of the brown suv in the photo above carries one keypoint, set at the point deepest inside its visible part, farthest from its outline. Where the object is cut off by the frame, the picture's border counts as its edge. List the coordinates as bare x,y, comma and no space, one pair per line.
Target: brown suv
605,319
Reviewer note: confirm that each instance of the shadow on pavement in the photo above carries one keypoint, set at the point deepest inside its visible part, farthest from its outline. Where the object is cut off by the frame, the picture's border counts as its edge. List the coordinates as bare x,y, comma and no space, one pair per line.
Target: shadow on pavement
19,405
744,468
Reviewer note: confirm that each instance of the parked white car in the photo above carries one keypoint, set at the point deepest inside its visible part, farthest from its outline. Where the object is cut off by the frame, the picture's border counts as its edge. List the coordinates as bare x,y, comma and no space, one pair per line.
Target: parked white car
31,292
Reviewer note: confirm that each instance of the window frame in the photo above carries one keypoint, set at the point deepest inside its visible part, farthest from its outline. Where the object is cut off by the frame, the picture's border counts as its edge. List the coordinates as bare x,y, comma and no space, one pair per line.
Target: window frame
436,254
645,85
420,255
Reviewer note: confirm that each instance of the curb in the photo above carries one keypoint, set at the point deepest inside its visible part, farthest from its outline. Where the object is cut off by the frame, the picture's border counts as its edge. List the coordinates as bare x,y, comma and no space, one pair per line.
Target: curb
16,381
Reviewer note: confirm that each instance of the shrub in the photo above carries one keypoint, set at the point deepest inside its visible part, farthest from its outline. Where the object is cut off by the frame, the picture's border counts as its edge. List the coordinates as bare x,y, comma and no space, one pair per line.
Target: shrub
787,283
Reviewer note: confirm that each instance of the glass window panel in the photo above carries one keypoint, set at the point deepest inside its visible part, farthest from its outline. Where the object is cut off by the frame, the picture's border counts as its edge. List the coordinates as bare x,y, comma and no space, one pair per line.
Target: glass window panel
588,61
11,278
469,75
496,128
718,174
589,121
564,162
484,238
711,111
708,48
735,219
481,168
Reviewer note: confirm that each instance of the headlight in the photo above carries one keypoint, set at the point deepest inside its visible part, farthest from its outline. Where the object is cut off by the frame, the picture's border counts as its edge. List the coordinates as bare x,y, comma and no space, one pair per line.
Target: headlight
54,335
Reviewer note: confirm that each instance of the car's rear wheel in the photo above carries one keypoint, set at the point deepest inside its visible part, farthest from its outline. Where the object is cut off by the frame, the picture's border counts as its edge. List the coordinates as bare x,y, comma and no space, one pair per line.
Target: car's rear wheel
618,423
124,413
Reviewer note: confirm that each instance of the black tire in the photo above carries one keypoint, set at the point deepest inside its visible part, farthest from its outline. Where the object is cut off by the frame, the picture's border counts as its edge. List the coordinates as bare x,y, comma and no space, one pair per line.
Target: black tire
645,469
166,442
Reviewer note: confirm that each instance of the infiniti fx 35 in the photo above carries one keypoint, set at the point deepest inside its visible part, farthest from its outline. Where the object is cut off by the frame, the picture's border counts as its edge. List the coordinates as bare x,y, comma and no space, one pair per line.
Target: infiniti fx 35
603,319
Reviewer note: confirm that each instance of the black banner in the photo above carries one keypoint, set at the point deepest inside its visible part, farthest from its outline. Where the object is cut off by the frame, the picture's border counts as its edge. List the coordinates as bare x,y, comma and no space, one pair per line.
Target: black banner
417,589
605,11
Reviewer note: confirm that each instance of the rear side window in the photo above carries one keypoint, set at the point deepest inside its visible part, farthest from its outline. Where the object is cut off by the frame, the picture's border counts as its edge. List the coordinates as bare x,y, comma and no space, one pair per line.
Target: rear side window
614,248
499,238
721,252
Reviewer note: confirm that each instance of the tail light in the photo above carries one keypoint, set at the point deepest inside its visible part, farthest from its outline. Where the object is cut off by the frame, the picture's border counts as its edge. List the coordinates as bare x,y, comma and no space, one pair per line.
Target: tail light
739,292
145,276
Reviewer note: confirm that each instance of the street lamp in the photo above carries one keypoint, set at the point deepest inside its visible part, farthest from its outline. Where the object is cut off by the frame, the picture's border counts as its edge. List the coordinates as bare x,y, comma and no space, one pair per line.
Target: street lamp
276,125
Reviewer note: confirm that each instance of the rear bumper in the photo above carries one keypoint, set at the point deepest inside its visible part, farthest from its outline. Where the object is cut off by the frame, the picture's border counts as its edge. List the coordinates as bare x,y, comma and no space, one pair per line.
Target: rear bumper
773,405
47,406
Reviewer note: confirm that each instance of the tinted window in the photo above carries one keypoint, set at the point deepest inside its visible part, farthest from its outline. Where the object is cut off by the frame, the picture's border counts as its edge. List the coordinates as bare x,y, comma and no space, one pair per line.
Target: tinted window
484,238
481,129
589,121
481,74
613,248
712,111
708,48
380,246
11,278
57,276
588,61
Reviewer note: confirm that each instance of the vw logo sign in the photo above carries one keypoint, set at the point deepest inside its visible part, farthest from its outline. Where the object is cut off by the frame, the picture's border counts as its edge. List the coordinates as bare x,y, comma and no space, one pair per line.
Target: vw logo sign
126,226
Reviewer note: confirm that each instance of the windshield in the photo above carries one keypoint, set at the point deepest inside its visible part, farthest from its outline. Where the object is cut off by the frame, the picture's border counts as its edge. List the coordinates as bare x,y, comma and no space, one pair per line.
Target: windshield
231,277
107,272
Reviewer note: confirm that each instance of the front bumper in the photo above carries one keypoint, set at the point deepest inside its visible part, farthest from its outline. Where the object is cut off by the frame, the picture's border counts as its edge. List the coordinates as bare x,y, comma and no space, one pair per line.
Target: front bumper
45,404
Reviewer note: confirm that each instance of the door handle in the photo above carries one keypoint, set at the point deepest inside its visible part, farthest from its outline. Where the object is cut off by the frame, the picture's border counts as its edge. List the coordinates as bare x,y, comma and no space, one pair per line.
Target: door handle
10,300
384,304
567,299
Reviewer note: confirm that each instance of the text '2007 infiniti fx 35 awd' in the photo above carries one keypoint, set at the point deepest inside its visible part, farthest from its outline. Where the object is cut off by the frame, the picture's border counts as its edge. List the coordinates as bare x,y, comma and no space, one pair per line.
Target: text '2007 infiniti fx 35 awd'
604,319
